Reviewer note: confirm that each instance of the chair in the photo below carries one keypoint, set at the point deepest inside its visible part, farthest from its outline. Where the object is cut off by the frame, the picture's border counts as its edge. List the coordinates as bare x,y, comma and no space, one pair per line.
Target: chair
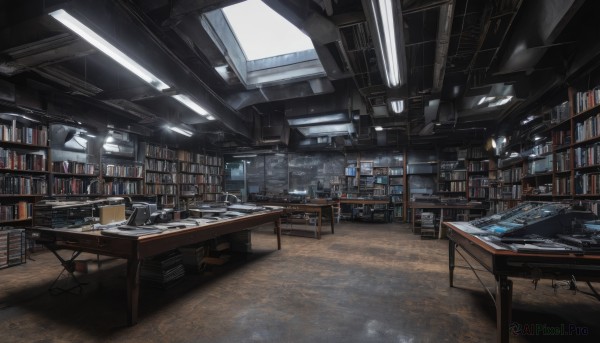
428,227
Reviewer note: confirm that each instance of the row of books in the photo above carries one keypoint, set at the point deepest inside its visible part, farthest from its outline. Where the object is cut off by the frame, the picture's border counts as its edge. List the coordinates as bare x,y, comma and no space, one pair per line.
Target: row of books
562,185
588,184
199,179
587,99
214,160
155,151
561,137
478,192
559,113
115,170
18,211
454,187
587,156
11,159
11,132
74,185
160,165
588,129
477,166
12,247
562,161
476,152
160,178
73,167
478,181
22,185
122,187
512,175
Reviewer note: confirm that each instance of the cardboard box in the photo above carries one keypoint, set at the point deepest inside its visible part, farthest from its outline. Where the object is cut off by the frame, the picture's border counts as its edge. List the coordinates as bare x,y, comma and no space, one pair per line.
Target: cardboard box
112,213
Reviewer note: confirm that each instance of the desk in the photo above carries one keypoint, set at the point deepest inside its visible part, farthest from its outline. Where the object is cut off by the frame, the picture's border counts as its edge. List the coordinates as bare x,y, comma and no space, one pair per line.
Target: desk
371,202
441,206
134,249
319,209
504,263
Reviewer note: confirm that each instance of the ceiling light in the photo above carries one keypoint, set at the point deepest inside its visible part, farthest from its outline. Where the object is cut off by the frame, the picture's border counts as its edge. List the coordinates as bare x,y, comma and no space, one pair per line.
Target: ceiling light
189,103
320,119
501,101
101,44
378,128
493,143
244,156
537,138
397,106
210,117
111,147
383,11
181,131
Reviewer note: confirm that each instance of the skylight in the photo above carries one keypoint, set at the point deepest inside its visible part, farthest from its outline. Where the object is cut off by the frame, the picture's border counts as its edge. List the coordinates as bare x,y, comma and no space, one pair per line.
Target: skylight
262,32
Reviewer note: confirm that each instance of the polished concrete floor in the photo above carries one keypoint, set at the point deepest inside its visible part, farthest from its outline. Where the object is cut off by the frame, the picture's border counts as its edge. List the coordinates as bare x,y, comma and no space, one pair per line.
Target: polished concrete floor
365,283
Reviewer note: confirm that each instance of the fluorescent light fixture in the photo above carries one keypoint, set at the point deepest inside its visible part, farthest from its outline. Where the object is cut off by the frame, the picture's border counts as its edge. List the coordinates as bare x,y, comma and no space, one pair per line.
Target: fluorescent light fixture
514,154
378,128
537,138
22,116
189,103
91,136
262,33
320,119
327,130
181,131
111,147
210,117
502,101
244,156
384,23
101,44
485,99
397,106
110,139
527,120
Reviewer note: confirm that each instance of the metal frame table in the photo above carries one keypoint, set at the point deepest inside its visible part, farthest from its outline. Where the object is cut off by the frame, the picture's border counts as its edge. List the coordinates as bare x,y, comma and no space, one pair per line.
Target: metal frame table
135,249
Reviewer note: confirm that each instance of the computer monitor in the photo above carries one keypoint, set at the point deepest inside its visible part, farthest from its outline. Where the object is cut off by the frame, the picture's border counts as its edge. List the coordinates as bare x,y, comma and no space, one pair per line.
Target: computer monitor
141,213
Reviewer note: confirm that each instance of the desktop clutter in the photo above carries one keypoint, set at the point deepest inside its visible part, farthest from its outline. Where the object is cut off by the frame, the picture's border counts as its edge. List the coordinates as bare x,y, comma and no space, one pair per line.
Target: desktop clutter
123,217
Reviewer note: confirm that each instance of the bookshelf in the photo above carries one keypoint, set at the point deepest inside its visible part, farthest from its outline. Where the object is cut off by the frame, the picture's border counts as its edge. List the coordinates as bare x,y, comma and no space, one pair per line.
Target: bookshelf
24,169
200,176
160,174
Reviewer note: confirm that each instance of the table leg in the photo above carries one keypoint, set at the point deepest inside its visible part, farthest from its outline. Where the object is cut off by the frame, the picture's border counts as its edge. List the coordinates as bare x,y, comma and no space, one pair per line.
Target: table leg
332,219
503,308
133,289
320,220
278,232
441,221
451,260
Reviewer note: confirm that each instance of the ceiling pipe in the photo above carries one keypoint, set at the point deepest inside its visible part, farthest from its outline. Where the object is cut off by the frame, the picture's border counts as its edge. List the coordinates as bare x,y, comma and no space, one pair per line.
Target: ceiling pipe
441,50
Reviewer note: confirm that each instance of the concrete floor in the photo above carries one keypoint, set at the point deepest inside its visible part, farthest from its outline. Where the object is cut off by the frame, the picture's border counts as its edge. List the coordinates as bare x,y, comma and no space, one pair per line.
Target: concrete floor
366,283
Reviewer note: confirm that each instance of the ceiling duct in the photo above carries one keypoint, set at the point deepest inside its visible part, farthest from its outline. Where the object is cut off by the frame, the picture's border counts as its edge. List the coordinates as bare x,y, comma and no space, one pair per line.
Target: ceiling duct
272,130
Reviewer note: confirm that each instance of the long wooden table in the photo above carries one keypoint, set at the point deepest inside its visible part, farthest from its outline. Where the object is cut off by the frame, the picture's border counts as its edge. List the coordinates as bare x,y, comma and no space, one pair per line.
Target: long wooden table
370,202
135,249
504,263
320,210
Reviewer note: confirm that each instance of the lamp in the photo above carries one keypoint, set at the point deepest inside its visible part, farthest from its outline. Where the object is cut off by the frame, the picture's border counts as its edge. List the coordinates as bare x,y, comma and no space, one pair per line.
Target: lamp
110,50
385,23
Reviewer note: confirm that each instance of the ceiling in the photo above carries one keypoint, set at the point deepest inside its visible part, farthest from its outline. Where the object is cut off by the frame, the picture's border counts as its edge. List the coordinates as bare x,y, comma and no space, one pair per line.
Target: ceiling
461,58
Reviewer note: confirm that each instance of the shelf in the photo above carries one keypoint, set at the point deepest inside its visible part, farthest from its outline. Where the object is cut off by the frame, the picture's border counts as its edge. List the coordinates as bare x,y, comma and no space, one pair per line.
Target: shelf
586,141
463,180
536,175
562,147
594,166
2,222
73,175
124,177
562,172
21,195
75,195
587,112
23,145
160,171
19,171
159,183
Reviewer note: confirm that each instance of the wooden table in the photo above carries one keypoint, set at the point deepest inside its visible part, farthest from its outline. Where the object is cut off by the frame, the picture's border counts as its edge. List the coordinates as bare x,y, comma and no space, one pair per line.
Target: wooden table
135,249
320,210
372,202
441,207
507,263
